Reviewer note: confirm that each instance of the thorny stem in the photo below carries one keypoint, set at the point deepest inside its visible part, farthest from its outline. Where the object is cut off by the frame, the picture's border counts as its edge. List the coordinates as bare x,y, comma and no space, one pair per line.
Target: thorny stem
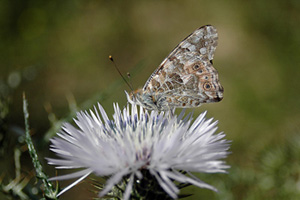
50,192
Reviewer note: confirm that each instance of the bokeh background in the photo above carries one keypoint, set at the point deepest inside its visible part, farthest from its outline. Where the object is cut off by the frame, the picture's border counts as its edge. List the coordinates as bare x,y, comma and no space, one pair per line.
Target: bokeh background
57,53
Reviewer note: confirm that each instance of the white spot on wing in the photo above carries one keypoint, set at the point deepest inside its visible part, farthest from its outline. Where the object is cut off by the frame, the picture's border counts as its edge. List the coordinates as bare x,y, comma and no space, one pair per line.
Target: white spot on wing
192,48
203,50
186,45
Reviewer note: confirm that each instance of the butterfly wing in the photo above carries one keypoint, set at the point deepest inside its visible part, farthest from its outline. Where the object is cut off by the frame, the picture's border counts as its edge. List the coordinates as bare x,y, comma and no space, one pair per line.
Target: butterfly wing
187,77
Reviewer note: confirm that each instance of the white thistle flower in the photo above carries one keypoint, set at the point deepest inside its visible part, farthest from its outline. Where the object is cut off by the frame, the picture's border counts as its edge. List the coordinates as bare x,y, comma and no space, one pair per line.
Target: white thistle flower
162,144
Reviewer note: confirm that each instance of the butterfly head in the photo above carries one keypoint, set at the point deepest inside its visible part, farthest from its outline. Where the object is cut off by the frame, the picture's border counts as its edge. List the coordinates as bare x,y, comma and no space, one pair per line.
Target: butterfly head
146,100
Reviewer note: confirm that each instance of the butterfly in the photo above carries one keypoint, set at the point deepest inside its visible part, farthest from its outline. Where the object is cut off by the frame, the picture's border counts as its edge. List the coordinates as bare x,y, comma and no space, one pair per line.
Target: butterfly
186,78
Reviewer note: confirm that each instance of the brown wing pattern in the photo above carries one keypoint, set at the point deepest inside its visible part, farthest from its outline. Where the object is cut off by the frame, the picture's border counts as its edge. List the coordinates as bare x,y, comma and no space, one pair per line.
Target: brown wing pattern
187,77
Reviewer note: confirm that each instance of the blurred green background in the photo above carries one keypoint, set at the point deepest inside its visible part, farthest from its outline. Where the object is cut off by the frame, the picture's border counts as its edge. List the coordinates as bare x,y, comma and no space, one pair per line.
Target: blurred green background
57,52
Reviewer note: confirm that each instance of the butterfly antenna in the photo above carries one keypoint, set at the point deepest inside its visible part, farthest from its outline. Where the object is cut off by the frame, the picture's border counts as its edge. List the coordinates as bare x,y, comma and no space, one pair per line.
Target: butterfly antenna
112,60
129,79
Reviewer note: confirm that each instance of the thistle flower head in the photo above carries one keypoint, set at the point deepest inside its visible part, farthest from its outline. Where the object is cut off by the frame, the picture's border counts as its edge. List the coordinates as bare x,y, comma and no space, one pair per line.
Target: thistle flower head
135,143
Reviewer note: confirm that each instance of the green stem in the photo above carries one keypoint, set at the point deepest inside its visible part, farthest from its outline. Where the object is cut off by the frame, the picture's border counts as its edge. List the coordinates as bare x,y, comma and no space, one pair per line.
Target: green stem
50,192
